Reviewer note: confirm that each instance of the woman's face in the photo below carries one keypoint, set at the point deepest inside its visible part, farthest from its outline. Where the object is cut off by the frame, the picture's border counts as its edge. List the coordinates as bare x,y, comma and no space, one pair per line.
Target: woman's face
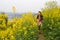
38,13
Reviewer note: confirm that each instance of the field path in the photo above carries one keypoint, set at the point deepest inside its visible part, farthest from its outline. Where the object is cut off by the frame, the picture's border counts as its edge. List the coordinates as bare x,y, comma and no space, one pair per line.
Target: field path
40,37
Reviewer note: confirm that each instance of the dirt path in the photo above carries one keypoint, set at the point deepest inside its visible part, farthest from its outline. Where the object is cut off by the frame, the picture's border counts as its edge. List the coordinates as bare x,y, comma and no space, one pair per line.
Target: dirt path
40,37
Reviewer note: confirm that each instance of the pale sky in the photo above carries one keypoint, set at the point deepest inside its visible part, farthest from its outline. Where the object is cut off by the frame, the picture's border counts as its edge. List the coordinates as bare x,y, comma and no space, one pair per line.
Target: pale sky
23,5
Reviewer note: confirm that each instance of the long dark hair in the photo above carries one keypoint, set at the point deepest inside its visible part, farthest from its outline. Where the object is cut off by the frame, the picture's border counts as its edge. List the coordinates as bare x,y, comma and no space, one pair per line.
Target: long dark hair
40,12
40,15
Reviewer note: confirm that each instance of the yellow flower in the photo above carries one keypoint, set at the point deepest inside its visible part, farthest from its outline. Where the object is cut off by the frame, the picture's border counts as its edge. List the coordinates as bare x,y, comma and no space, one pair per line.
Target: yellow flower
34,24
52,21
25,33
24,28
12,37
32,32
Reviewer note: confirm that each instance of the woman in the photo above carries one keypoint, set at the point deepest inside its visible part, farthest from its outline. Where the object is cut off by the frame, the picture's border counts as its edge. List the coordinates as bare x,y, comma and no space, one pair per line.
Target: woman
39,20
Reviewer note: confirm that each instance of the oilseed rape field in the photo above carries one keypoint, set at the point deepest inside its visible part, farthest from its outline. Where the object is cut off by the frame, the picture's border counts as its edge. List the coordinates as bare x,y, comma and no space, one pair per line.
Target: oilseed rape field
51,24
26,27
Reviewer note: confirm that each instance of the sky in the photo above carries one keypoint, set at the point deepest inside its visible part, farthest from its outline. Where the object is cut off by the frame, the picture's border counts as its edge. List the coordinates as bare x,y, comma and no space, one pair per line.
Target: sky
23,5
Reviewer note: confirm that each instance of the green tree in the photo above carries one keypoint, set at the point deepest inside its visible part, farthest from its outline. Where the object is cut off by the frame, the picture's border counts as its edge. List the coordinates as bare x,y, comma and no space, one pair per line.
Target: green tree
51,4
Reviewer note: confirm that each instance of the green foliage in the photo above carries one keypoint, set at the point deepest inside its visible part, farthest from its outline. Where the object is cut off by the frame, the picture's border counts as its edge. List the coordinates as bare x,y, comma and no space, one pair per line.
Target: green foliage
51,23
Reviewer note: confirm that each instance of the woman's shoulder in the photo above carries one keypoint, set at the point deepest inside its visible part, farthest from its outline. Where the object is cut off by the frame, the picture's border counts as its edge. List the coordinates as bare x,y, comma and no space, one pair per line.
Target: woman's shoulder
41,15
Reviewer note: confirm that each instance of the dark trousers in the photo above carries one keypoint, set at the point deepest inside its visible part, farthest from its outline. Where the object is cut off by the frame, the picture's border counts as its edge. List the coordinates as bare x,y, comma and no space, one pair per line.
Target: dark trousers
39,27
